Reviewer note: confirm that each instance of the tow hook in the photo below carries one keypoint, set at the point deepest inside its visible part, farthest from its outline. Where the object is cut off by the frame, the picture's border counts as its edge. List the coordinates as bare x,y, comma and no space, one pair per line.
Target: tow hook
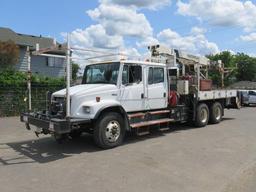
61,138
27,126
37,134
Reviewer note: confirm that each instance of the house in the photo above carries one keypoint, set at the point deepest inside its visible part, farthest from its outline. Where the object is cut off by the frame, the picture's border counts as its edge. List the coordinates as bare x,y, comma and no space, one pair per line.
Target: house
46,66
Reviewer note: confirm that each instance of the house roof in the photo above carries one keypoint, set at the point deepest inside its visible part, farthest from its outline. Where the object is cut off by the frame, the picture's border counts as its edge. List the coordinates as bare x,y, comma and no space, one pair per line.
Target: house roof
7,34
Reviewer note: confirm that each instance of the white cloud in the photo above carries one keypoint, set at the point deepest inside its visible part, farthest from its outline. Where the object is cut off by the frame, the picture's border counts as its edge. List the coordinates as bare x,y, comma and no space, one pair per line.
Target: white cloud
81,57
115,24
221,12
147,42
96,36
250,38
195,43
131,52
120,20
232,52
198,30
150,4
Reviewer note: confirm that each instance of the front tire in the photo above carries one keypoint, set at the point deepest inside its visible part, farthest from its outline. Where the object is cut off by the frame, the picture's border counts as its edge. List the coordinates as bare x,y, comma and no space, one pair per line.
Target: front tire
216,113
109,130
202,115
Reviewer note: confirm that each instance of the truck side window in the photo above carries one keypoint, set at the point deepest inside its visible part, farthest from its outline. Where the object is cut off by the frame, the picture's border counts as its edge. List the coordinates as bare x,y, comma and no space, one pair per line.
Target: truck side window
125,77
150,76
131,74
155,75
158,75
135,74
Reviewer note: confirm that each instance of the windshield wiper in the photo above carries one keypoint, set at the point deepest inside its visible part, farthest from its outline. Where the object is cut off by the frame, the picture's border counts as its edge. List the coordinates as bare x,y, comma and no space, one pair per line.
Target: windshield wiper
100,82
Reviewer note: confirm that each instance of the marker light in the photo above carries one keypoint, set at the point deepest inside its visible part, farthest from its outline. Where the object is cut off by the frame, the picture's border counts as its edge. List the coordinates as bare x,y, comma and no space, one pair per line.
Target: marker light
97,99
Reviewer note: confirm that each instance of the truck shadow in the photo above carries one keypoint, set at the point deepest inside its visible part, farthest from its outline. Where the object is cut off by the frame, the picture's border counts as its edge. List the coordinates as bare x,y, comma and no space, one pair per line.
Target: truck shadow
46,149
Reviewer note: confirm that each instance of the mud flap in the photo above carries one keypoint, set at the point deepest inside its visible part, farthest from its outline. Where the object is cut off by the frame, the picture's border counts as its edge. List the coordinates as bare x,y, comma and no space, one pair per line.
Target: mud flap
235,103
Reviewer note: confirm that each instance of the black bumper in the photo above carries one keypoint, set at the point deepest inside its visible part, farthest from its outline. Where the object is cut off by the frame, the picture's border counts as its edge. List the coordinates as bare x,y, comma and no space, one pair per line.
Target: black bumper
52,125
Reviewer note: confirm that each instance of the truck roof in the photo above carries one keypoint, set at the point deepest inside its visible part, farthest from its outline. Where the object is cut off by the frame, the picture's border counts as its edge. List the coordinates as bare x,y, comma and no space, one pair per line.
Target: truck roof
131,62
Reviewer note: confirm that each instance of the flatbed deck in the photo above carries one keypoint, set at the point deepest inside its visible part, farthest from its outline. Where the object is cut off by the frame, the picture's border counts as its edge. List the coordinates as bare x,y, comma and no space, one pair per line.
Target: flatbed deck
216,94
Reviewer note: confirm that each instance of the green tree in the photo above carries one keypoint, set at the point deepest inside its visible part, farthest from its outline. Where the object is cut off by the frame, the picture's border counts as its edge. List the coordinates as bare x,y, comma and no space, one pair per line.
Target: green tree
75,69
226,57
9,54
246,67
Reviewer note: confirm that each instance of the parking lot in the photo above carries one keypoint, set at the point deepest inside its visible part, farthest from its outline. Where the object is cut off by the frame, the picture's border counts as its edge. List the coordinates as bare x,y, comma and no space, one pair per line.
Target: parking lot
217,158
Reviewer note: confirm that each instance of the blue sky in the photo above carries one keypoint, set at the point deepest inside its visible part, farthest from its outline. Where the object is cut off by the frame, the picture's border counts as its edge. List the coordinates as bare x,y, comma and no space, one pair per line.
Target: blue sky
45,17
198,26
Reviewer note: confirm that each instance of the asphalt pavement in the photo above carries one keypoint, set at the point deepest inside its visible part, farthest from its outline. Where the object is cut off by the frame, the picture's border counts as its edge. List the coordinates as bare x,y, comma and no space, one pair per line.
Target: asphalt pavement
216,158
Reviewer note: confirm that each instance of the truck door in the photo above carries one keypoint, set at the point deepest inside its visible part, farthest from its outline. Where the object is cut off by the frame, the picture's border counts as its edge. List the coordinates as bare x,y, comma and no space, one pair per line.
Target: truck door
156,88
132,96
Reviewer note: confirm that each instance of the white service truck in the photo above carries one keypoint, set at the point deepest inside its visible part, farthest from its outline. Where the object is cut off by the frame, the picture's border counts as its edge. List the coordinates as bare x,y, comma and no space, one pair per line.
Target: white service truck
116,97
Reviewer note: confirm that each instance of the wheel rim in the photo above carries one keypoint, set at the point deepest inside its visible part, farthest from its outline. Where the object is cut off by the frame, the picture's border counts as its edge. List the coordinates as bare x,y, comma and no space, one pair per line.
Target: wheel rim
217,113
204,115
113,131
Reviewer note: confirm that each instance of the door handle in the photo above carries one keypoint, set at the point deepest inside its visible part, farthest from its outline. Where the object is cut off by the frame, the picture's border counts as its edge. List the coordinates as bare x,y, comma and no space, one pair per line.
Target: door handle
142,95
164,94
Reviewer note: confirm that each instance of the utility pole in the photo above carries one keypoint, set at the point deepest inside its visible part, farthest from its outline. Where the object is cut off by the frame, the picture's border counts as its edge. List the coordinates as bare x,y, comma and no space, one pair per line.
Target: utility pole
29,79
68,78
222,70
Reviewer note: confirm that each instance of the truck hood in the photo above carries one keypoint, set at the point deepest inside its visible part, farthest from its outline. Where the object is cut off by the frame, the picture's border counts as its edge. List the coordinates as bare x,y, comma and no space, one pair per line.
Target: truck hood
85,89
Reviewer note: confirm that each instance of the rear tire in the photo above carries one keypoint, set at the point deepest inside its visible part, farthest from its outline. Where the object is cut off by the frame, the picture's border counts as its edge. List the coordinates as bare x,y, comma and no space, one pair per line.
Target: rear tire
109,130
216,113
202,115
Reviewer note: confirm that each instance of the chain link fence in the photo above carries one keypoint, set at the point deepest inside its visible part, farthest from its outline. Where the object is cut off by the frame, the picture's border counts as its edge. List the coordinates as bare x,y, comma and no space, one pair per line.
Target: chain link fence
14,99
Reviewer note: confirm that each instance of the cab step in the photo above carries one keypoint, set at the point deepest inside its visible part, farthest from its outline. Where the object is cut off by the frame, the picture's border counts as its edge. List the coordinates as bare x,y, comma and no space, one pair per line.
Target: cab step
164,129
136,115
142,131
152,122
142,115
159,112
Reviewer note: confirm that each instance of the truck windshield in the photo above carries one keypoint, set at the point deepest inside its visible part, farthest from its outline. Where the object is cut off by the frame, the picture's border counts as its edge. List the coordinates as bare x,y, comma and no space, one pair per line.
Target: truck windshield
105,73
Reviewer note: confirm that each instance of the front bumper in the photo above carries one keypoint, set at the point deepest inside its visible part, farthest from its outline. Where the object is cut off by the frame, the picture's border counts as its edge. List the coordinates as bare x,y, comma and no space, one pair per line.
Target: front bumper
52,125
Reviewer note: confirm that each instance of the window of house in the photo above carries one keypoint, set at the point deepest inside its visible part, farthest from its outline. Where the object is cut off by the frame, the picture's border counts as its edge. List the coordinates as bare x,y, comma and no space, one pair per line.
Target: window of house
59,62
131,74
155,75
55,62
50,62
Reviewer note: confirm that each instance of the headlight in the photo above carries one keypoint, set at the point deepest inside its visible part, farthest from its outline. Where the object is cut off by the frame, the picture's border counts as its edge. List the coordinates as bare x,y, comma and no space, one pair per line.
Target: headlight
87,109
